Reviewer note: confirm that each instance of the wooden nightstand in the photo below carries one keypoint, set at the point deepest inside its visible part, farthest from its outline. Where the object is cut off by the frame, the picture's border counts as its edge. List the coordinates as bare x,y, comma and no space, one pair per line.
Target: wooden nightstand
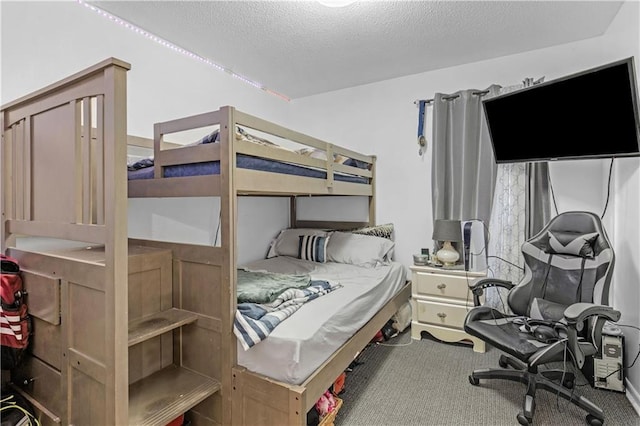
440,300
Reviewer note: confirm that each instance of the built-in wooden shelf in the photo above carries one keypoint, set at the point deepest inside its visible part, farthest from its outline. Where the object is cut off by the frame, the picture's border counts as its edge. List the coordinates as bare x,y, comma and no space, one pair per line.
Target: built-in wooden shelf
156,324
167,394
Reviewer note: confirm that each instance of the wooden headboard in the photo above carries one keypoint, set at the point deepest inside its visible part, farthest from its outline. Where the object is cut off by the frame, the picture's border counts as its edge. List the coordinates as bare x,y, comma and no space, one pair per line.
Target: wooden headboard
55,180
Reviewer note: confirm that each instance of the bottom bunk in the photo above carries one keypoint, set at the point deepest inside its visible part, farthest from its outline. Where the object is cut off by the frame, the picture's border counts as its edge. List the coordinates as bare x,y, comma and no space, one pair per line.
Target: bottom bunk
279,379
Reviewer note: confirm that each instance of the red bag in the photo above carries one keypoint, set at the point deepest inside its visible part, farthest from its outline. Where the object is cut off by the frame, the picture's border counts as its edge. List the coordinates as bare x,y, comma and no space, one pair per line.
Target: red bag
15,324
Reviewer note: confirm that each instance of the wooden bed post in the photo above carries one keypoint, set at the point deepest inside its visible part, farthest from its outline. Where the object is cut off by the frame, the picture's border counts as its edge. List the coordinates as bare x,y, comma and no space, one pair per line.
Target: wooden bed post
116,245
372,198
293,212
7,181
228,206
4,162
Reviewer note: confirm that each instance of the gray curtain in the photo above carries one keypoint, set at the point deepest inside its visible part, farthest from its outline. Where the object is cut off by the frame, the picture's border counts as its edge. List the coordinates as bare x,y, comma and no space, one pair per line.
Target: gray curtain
538,200
463,168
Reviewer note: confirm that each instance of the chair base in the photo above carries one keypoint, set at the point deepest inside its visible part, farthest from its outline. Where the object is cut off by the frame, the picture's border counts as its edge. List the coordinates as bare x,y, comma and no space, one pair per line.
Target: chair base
539,380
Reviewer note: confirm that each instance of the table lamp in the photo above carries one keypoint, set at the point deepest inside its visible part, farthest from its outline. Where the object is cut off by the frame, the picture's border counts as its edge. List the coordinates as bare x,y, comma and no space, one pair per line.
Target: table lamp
447,231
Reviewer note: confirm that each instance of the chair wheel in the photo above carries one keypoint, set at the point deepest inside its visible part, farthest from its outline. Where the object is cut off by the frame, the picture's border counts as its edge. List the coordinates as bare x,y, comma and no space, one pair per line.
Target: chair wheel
523,420
594,421
474,381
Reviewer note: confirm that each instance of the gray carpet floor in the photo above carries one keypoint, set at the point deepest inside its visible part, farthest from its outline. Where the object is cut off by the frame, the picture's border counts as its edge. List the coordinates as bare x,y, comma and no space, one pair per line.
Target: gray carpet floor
425,382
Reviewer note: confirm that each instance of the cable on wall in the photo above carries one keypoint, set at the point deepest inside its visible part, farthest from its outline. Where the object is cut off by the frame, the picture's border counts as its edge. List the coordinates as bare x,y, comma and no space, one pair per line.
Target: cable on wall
608,189
553,194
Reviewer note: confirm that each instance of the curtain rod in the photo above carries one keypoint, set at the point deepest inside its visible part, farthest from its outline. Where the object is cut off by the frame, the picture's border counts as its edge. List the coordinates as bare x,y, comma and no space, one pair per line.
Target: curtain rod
527,82
450,98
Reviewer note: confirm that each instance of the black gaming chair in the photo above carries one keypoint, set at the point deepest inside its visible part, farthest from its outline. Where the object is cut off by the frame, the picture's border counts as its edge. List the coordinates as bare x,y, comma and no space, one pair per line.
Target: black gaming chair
556,312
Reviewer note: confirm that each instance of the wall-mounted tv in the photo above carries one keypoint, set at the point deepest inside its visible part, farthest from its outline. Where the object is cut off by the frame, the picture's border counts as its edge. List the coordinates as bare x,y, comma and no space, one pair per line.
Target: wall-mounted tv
591,114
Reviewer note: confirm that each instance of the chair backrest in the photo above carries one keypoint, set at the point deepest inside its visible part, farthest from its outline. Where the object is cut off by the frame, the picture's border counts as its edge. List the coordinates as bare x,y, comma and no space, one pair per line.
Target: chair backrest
570,260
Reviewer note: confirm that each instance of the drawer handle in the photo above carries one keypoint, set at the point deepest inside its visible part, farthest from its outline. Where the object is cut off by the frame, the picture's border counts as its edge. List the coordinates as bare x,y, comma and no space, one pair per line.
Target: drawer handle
442,315
441,286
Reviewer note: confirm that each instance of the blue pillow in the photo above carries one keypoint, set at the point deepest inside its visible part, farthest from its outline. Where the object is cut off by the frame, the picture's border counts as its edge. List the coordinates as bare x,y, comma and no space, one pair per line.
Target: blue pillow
313,247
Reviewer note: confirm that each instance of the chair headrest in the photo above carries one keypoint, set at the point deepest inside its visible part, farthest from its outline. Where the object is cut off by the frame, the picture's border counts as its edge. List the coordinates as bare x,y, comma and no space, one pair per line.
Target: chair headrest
573,233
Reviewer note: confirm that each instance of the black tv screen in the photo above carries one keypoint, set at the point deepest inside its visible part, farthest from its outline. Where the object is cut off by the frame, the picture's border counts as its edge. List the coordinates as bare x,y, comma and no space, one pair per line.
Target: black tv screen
591,114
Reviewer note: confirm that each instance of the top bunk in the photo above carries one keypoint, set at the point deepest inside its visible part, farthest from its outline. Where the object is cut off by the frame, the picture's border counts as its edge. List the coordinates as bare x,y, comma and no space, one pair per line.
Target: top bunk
297,164
64,159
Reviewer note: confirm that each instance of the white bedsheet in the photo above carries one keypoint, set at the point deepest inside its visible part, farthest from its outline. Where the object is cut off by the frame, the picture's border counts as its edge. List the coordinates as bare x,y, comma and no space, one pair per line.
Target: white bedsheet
299,345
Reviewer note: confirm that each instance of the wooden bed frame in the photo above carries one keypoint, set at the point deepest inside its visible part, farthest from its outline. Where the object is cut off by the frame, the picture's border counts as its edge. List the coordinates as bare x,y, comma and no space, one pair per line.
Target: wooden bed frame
139,331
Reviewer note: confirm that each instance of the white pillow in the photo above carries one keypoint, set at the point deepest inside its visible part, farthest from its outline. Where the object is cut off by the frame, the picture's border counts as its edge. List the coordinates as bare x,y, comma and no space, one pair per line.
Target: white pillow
356,249
288,241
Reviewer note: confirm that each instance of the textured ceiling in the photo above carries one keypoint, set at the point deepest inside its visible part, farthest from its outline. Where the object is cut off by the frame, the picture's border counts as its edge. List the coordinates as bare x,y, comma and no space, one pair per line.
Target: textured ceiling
302,48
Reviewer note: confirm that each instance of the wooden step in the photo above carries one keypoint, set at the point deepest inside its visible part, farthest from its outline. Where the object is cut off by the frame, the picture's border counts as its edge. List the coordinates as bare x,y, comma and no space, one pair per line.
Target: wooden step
167,394
154,325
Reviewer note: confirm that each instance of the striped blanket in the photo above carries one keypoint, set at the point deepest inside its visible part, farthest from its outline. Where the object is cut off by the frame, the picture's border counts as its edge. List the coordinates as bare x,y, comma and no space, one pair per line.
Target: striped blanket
254,322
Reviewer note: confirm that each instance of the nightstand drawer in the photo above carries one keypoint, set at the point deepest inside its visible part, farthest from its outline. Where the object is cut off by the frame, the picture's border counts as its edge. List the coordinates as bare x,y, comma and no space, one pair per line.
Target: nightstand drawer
442,285
441,313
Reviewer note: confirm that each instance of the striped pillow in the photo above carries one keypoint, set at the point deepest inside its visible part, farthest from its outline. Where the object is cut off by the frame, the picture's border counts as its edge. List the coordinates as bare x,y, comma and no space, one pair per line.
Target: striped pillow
313,247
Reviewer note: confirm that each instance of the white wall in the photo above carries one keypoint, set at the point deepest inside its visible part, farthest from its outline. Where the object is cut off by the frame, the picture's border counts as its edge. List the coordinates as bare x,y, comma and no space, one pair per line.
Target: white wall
381,119
43,42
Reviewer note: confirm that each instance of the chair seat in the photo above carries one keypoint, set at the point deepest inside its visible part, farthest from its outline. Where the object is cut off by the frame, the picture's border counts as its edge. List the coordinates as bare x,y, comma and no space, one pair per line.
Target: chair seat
501,332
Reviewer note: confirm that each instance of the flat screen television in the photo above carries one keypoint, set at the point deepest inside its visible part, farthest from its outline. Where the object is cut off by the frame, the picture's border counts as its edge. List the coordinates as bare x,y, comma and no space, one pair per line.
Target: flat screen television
591,114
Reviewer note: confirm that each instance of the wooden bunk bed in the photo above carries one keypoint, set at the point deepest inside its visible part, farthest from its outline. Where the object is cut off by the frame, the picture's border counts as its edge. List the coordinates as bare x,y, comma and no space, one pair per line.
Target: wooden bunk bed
138,331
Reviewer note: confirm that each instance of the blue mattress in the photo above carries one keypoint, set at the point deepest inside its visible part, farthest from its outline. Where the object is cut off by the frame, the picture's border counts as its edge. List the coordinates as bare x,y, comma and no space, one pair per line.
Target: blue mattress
244,162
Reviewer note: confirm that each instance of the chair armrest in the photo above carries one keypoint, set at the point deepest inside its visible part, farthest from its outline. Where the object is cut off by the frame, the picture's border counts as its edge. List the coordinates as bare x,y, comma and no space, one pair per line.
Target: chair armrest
477,288
578,312
575,315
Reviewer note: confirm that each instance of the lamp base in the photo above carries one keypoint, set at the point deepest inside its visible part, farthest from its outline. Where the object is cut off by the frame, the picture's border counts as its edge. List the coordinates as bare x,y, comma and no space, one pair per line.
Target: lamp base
447,255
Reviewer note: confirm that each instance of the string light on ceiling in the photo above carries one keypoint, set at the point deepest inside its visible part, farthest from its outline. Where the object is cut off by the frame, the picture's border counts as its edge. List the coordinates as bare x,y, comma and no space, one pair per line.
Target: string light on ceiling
178,49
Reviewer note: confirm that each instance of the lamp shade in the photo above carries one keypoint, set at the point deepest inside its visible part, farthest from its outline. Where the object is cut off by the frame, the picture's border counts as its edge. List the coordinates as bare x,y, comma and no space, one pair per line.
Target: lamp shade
447,230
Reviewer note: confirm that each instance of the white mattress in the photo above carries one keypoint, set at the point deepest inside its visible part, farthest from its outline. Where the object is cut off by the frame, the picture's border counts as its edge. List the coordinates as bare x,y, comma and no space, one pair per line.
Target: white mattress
300,344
